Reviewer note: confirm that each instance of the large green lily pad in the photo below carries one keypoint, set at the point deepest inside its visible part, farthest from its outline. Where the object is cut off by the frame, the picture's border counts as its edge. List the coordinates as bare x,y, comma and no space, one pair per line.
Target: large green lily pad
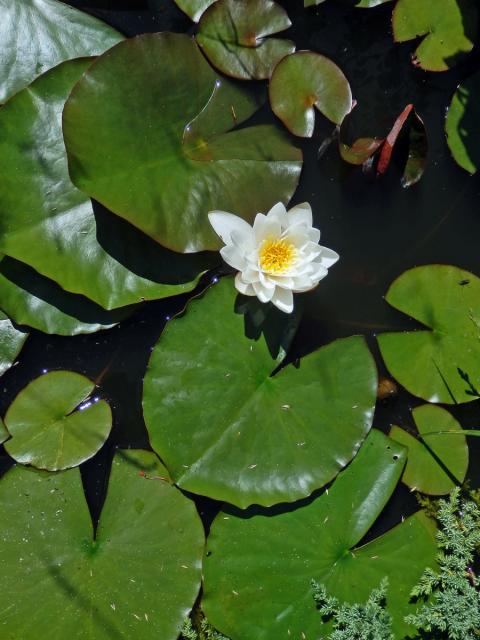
137,577
226,428
37,302
165,164
304,80
36,35
462,124
449,26
55,423
259,567
233,36
12,339
46,222
432,364
436,462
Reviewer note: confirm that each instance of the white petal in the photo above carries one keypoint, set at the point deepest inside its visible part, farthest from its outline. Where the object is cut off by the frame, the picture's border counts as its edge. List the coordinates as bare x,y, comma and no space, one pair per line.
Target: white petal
279,213
263,293
301,214
225,223
244,287
283,300
264,227
233,257
327,257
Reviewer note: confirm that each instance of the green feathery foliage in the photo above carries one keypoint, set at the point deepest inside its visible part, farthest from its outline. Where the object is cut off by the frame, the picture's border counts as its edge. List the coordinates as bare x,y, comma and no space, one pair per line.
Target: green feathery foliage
453,608
367,621
202,631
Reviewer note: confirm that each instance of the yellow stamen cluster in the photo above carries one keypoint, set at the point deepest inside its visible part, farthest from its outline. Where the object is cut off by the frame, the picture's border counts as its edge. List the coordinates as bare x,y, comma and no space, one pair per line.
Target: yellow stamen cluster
276,255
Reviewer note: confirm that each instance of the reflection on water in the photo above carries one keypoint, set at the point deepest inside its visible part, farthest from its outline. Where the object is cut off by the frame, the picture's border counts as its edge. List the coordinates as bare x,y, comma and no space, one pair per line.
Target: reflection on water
378,228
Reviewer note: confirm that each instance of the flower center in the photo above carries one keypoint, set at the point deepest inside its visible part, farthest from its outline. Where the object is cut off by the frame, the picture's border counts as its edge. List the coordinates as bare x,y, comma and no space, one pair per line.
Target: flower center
276,255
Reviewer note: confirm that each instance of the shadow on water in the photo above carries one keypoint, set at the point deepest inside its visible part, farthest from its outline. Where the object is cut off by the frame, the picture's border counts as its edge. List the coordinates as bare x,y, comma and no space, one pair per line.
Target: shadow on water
378,228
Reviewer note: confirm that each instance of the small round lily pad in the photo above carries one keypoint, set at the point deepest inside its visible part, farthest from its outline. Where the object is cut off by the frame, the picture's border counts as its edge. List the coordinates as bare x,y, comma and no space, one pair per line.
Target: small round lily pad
304,80
448,29
438,461
233,36
55,423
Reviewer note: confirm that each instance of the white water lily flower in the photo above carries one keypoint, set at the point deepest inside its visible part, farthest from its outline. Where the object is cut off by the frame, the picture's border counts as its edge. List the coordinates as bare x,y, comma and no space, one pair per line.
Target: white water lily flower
278,256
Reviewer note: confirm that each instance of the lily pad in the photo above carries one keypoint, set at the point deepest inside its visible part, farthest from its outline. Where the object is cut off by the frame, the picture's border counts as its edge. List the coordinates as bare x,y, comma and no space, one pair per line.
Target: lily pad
434,461
449,26
47,223
432,364
259,566
228,429
233,36
37,302
55,423
462,124
302,81
153,170
136,577
36,35
12,340
193,8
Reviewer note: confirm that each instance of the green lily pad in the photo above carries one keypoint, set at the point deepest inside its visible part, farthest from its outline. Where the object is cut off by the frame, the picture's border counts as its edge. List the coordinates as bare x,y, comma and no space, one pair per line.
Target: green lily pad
226,428
259,566
193,8
164,164
449,26
432,364
462,124
36,35
302,81
12,340
431,455
50,225
55,423
37,302
136,577
233,36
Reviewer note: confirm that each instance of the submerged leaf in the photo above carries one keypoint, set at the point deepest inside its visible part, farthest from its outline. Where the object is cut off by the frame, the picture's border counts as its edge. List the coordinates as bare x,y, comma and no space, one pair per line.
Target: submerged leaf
47,223
436,462
304,80
55,424
136,577
233,36
229,429
449,26
153,171
259,564
36,35
432,364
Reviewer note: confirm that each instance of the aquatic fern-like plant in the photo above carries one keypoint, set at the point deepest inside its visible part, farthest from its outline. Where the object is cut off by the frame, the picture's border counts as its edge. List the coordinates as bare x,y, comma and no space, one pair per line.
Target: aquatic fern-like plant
453,607
201,631
367,621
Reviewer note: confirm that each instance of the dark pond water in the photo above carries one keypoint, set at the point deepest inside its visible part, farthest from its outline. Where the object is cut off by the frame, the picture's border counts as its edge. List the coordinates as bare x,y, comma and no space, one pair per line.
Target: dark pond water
379,228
